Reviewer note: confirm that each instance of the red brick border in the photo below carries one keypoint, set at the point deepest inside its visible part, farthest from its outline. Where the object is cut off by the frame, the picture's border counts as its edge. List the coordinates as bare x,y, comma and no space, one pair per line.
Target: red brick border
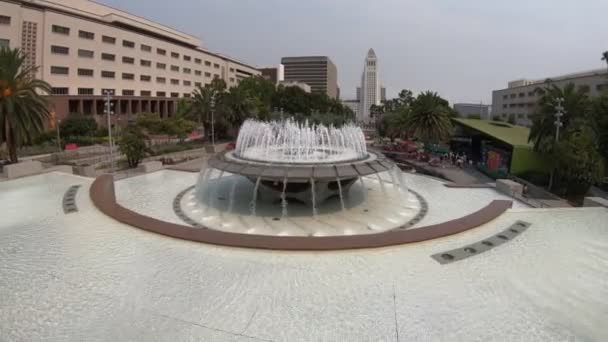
103,196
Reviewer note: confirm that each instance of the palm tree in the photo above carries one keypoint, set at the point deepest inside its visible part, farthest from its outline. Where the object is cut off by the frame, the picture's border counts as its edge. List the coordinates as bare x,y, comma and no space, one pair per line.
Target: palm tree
605,57
23,109
429,119
575,105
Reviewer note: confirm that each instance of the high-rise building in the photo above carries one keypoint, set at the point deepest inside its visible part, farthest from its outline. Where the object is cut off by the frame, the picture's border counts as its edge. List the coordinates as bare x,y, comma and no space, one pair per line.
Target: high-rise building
85,49
319,72
520,99
479,110
370,86
273,74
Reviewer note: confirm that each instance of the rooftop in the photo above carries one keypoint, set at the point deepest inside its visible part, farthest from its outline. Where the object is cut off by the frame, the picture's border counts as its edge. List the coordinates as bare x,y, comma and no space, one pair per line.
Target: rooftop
516,136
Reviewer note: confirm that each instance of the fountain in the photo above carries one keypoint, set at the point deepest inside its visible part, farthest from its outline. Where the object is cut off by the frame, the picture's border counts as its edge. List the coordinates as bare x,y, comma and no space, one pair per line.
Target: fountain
290,178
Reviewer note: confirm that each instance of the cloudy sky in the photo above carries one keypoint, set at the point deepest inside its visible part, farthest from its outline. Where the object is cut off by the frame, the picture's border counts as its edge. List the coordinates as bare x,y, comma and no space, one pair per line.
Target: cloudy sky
460,48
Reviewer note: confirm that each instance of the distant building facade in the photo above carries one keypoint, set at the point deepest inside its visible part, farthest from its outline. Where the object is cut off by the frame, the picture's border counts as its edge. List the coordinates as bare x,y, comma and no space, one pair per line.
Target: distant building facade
521,100
84,49
319,72
273,74
300,85
353,105
370,86
480,110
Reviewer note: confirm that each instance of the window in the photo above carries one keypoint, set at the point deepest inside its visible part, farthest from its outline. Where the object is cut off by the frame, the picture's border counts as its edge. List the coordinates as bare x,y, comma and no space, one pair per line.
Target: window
216,76
187,58
513,96
145,78
161,80
127,76
174,68
108,57
146,48
520,116
174,54
4,20
599,87
174,94
174,81
197,61
520,105
216,66
145,63
530,93
107,90
161,66
86,53
57,70
522,94
198,84
4,43
187,70
128,60
231,79
85,91
504,97
504,106
60,50
107,74
85,72
531,104
198,72
128,43
207,74
60,91
161,93
108,39
207,63
512,105
61,29
161,52
231,69
86,35
128,92
187,83
186,95
145,93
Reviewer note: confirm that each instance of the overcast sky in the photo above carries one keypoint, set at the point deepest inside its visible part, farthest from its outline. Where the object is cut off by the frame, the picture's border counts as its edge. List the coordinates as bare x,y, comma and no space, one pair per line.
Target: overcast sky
462,49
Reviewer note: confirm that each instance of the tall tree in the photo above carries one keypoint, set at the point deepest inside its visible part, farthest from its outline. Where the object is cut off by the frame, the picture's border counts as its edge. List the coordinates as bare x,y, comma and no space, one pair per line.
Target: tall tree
576,104
429,119
605,57
23,109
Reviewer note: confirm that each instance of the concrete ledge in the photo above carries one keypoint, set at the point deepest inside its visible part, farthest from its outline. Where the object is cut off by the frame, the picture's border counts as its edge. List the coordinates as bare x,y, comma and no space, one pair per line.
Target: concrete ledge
60,168
150,166
470,186
595,202
103,196
86,171
509,187
23,169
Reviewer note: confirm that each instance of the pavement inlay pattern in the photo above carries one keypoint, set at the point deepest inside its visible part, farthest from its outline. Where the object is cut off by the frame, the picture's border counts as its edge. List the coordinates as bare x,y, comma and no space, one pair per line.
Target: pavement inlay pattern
484,245
69,200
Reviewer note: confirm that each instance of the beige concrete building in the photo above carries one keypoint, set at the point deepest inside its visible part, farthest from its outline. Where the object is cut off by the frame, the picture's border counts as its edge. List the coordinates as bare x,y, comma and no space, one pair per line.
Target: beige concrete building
520,97
319,72
84,48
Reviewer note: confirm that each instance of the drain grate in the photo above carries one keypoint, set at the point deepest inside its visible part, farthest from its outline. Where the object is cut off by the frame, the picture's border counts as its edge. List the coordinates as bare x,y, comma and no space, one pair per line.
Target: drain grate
177,209
481,246
69,200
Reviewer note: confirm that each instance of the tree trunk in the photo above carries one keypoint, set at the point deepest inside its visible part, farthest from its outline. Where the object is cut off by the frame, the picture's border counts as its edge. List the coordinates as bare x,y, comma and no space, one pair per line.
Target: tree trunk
10,142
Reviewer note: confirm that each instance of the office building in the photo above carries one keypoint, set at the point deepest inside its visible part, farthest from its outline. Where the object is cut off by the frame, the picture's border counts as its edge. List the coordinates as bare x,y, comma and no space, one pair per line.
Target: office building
353,105
273,74
520,98
84,49
370,93
467,110
319,72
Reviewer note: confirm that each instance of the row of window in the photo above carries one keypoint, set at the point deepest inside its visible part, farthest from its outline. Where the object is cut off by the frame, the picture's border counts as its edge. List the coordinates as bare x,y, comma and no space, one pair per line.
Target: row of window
126,43
63,50
520,105
514,95
125,92
60,70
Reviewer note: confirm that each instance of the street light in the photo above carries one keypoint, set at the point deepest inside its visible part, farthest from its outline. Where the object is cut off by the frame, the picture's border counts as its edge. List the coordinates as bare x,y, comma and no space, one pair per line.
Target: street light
108,111
559,112
212,103
58,135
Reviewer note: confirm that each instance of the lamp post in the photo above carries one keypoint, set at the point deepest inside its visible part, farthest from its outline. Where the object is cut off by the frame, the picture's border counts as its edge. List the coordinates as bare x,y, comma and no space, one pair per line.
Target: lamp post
212,104
108,94
58,135
559,112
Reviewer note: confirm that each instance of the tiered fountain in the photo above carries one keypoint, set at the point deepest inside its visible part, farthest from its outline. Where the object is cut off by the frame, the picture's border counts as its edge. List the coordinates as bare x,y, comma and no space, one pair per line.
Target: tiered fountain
287,178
